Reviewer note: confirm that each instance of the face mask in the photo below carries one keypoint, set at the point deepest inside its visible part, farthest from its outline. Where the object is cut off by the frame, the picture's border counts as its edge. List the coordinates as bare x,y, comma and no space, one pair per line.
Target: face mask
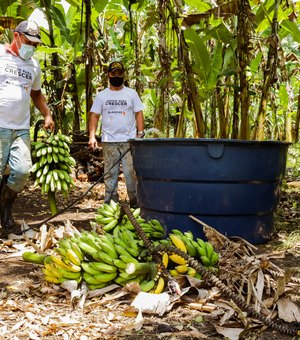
116,81
26,51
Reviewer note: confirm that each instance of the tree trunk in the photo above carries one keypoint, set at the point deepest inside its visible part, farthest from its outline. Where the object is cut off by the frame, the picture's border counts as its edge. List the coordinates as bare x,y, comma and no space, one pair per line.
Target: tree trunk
243,54
159,117
55,92
269,77
75,99
235,115
297,121
89,61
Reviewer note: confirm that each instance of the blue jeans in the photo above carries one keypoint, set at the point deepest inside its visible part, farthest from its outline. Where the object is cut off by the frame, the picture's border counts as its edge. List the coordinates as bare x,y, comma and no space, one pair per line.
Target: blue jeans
111,155
15,151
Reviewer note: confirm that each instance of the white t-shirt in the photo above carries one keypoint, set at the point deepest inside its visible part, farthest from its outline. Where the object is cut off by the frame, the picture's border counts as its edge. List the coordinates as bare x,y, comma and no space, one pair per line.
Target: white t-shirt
118,110
17,78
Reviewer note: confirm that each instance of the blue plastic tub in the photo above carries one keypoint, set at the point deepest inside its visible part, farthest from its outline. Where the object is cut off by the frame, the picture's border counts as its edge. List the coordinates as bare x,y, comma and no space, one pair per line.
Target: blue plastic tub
231,185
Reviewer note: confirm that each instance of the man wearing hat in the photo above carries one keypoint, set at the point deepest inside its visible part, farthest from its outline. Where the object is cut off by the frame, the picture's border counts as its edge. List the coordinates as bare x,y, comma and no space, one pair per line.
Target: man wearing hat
121,110
20,80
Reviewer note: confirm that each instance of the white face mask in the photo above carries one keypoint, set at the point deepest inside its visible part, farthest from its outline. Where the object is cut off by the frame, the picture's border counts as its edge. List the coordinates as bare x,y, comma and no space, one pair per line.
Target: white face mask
26,51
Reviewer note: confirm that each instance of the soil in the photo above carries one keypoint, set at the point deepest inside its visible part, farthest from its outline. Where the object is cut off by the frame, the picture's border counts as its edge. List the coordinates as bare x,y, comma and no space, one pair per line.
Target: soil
21,298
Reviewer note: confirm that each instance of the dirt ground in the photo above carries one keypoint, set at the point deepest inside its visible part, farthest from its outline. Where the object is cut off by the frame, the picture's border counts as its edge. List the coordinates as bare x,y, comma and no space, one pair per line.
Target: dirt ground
27,304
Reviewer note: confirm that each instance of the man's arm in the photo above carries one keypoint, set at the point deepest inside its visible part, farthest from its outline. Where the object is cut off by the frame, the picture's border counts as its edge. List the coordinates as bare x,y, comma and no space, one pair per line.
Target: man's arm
40,102
139,116
93,123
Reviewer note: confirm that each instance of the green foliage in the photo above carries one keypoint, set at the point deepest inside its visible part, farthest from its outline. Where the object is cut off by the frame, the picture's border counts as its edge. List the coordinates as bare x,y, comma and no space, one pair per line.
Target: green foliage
293,161
200,54
152,38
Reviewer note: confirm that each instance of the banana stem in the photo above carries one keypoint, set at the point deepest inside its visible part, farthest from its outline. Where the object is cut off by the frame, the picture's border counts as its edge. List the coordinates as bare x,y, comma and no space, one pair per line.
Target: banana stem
142,268
52,203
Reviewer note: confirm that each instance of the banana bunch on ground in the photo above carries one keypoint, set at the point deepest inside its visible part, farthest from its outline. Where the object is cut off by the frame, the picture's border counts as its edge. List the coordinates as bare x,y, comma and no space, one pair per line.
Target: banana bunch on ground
108,215
130,252
101,263
153,229
208,256
120,256
53,164
57,270
64,264
198,249
115,258
180,266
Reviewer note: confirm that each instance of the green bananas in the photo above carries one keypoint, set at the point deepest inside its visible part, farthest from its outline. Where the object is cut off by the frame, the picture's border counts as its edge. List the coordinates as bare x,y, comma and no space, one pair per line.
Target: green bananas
53,164
208,256
108,215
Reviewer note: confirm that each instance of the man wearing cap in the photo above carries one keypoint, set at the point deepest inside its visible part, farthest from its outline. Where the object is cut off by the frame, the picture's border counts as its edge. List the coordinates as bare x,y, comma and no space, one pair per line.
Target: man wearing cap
122,119
20,80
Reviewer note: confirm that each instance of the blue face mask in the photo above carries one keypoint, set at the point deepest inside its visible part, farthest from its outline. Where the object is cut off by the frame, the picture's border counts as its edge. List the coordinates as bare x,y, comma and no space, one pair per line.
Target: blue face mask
26,51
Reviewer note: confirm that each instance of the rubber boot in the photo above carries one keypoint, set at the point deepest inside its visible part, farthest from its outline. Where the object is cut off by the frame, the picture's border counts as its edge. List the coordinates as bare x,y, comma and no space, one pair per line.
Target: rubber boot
8,198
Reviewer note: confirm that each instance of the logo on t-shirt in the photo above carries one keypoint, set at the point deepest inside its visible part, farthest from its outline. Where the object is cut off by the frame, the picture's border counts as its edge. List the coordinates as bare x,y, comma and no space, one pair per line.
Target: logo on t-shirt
116,106
17,71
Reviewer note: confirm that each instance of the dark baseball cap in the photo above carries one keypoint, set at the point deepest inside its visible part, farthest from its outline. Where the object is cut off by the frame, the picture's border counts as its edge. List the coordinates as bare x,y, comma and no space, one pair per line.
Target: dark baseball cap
30,29
115,65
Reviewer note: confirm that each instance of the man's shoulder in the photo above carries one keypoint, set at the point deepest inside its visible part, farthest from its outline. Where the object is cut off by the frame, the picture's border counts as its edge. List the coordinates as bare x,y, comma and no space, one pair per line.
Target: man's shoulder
35,62
2,49
102,93
128,90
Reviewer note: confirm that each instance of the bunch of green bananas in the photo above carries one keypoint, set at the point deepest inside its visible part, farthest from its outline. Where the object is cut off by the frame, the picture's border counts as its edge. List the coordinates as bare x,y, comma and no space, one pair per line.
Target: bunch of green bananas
208,256
98,266
107,256
153,229
108,215
53,164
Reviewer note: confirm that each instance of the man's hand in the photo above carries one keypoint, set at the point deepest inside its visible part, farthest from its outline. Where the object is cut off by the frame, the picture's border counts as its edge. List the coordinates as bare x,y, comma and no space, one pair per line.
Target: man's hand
93,144
49,123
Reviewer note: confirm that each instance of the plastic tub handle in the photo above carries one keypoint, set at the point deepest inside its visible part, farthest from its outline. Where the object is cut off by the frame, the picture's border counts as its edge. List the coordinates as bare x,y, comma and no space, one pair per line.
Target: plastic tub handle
216,150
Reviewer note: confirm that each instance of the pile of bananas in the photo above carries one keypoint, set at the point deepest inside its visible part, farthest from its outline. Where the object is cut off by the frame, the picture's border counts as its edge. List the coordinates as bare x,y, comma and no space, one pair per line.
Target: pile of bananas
117,255
100,260
53,164
108,216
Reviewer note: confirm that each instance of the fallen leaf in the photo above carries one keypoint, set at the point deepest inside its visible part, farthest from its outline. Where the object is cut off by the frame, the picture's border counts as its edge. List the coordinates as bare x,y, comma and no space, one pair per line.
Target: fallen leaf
230,333
288,311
